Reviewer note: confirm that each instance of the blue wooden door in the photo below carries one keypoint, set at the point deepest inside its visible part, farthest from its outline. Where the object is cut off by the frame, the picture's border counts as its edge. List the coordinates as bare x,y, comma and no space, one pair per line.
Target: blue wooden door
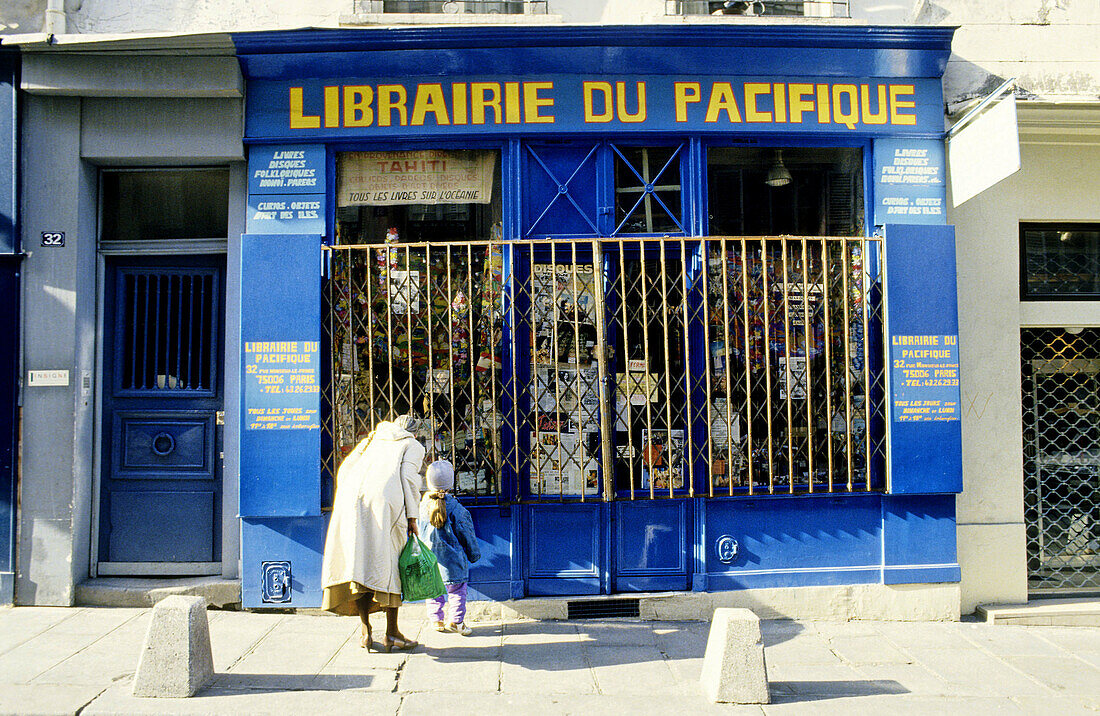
585,189
160,485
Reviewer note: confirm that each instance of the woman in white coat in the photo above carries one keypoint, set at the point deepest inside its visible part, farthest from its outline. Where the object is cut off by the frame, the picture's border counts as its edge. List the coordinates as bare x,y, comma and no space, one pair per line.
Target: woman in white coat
375,509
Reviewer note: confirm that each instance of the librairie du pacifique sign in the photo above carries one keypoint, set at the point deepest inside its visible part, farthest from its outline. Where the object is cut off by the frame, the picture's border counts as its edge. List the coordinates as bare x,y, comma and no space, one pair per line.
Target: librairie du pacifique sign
359,107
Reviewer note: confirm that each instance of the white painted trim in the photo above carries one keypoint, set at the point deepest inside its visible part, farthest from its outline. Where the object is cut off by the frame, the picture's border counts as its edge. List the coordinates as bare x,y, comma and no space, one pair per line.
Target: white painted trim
1044,314
97,432
159,569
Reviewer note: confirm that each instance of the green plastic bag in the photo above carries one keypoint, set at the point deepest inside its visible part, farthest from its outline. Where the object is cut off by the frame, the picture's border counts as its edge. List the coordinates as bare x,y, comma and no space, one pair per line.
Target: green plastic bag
419,570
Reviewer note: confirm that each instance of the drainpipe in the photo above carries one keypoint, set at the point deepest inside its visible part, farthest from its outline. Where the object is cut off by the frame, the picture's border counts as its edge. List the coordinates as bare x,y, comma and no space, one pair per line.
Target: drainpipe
55,18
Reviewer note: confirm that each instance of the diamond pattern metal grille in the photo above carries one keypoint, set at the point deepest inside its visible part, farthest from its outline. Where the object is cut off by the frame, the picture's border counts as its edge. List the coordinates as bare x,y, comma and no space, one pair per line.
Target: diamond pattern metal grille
1061,428
624,368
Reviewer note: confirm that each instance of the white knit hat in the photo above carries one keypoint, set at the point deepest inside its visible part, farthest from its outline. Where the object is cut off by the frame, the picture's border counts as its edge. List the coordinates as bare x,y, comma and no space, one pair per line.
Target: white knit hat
440,475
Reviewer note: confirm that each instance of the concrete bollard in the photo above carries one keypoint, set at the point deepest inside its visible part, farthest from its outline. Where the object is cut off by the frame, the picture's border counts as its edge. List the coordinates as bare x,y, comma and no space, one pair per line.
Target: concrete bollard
733,666
176,659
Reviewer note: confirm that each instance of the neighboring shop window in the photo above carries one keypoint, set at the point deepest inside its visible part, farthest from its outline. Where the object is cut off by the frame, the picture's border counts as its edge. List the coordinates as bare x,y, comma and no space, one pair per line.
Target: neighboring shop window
1060,372
455,7
1059,261
773,191
647,190
751,8
164,204
415,328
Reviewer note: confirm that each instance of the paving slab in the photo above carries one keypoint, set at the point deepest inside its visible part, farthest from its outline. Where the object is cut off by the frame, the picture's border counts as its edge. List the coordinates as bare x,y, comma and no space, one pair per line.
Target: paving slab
866,649
1014,640
977,672
428,672
118,700
96,620
623,670
895,705
800,649
1061,674
434,704
40,654
31,700
535,677
914,678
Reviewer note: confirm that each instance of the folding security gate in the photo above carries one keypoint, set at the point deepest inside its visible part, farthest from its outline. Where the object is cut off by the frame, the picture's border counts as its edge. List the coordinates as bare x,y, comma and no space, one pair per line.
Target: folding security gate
1061,428
617,369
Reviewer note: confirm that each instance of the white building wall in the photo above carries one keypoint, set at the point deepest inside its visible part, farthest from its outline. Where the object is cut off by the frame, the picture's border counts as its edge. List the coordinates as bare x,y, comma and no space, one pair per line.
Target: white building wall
1051,48
1058,182
177,16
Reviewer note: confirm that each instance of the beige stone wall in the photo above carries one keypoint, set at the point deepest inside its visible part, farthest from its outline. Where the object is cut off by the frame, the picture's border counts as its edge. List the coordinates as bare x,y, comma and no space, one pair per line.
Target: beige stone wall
1057,182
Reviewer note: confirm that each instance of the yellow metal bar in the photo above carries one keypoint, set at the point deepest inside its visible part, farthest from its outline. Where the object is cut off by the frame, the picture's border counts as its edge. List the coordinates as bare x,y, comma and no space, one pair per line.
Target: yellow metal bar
409,326
825,281
666,344
789,374
624,386
847,364
767,364
451,355
515,451
472,349
747,329
580,447
685,454
389,332
807,329
648,442
554,362
704,250
866,364
535,370
601,373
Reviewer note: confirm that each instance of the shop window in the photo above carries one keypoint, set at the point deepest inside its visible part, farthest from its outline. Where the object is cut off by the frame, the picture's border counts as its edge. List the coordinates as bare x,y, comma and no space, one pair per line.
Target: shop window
413,327
417,196
164,204
754,8
1059,261
647,190
1060,372
774,191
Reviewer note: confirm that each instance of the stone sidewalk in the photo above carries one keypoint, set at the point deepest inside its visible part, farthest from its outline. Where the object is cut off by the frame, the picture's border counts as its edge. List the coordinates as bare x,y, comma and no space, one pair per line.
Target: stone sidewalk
68,661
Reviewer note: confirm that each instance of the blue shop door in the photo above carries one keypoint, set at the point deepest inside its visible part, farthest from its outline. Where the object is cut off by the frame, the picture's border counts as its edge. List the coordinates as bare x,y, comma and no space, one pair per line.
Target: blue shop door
160,486
579,539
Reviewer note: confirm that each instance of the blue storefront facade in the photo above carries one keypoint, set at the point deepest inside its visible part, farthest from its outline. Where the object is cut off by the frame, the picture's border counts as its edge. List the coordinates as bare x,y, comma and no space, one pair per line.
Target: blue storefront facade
559,112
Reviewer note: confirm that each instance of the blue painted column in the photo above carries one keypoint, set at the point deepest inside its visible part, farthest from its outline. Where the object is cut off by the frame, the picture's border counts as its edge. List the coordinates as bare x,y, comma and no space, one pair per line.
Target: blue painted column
924,426
283,529
10,257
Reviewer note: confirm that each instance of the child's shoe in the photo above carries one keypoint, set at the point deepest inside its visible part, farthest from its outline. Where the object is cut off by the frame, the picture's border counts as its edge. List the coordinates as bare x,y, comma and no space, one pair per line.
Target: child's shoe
440,626
460,629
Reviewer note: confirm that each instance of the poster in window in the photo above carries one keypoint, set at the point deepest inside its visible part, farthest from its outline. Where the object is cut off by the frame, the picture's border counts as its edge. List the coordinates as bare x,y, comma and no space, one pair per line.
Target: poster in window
564,313
563,464
404,291
416,177
662,459
794,376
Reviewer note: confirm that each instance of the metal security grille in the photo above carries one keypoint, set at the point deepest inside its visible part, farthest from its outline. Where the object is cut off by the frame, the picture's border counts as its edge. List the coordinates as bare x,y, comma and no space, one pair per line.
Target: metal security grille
1061,428
166,322
575,370
797,8
450,7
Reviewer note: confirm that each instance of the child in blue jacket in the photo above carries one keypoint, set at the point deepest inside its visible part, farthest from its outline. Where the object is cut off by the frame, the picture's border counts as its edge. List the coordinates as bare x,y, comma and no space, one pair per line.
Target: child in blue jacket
448,530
